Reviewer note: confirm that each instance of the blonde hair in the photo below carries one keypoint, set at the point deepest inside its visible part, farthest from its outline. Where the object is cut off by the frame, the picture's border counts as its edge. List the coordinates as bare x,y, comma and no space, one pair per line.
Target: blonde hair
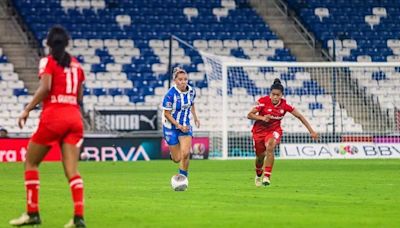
176,71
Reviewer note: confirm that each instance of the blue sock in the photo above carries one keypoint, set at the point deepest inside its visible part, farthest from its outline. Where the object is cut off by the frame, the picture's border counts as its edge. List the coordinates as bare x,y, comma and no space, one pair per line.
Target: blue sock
183,172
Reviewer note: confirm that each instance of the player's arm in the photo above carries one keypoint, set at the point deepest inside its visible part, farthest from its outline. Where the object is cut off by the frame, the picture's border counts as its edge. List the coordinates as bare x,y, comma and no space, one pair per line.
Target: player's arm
40,94
253,115
170,118
196,119
300,116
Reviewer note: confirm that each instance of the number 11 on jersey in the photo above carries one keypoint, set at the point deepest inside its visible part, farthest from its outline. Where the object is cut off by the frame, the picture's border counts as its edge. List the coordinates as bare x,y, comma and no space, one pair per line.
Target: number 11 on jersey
71,77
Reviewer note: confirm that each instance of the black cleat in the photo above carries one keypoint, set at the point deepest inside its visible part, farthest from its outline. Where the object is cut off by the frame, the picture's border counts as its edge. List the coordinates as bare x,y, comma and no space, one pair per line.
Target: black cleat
77,222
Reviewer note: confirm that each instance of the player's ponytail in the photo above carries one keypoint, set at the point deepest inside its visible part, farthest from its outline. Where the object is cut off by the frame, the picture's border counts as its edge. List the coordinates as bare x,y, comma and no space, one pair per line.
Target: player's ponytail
57,40
277,85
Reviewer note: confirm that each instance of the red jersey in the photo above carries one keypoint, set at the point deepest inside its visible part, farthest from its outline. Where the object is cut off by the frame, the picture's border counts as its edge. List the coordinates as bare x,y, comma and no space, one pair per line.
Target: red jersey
265,107
65,82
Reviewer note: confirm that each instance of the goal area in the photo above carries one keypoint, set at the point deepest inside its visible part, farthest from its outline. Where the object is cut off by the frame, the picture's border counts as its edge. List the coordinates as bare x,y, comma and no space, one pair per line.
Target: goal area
341,100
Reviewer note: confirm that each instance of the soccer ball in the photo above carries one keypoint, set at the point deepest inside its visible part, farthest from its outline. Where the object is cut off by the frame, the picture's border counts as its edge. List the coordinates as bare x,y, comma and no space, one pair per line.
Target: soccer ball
179,182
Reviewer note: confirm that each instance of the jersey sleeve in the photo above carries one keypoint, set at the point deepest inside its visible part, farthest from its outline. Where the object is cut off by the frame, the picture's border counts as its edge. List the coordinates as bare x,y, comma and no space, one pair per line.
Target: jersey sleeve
259,104
45,67
168,101
288,107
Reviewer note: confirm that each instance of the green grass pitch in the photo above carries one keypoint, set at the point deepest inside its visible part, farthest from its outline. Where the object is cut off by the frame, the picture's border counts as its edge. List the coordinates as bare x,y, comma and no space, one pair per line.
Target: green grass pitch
304,193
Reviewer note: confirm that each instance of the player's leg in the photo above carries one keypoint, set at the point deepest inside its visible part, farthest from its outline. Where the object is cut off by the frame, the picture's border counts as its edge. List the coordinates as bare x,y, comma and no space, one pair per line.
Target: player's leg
70,158
34,156
185,142
71,144
259,147
270,143
171,137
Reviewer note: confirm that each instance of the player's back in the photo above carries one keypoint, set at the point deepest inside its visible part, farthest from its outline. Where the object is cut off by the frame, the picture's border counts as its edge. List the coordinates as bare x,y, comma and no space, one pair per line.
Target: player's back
65,82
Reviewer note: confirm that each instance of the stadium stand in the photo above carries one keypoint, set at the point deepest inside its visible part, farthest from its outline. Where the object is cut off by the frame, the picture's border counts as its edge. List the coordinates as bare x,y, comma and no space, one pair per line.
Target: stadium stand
13,96
123,47
372,36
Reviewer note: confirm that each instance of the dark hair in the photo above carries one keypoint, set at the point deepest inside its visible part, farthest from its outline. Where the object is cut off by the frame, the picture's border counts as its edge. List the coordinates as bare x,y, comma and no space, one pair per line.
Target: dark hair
277,85
57,40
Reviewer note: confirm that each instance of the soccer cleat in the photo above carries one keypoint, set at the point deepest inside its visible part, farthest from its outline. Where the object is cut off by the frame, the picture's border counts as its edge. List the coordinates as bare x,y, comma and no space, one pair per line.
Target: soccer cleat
77,222
258,181
266,181
26,220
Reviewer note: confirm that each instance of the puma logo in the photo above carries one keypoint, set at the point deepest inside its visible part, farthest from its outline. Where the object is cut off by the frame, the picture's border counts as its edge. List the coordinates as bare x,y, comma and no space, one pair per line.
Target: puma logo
149,121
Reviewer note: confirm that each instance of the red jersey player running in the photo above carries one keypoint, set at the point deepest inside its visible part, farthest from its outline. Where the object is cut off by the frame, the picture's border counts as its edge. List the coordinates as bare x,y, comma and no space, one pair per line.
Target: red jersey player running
61,79
267,131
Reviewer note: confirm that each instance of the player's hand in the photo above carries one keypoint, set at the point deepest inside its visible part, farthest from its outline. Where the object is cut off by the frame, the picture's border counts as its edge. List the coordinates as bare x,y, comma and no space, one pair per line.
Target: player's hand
266,118
314,135
184,129
197,122
22,118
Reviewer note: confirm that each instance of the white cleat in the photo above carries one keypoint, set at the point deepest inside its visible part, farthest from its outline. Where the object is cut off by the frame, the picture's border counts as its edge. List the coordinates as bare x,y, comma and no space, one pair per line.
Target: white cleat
25,219
258,181
70,224
266,181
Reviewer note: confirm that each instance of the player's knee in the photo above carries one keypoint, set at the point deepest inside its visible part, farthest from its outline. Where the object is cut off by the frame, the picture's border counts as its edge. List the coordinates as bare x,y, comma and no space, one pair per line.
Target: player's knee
29,165
176,158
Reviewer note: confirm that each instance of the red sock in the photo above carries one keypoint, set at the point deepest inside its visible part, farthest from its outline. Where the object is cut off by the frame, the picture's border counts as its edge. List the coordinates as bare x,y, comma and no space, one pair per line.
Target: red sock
76,185
32,191
259,169
268,171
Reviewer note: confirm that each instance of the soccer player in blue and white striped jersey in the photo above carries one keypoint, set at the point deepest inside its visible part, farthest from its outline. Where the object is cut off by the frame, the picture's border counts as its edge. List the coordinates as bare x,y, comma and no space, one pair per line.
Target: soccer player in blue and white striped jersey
178,110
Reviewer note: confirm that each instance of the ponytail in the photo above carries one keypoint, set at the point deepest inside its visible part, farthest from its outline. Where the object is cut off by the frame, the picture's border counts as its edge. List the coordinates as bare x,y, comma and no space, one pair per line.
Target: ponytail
57,40
277,85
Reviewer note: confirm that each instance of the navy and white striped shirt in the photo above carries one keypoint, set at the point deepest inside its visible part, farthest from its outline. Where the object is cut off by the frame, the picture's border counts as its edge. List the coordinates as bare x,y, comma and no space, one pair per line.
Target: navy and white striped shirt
180,104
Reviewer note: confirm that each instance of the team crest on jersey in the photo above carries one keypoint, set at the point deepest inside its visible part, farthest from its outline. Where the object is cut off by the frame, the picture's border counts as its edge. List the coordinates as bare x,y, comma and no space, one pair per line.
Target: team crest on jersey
282,111
168,104
269,110
276,135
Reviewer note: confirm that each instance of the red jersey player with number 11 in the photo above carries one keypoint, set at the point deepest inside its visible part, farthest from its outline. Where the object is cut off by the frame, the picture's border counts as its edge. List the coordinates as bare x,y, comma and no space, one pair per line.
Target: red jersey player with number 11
61,79
267,131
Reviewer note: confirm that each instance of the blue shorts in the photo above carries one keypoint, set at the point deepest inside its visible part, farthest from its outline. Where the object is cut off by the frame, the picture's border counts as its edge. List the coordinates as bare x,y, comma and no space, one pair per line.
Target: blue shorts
172,135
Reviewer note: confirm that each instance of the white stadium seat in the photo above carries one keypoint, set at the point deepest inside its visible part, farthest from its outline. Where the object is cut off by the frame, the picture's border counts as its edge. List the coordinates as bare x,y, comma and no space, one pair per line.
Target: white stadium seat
230,43
379,11
126,43
123,59
118,76
9,76
111,43
123,20
229,4
68,4
82,4
6,67
321,12
113,67
190,12
260,43
80,43
220,12
156,43
372,20
124,84
106,99
200,44
96,43
276,44
16,84
121,99
98,4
